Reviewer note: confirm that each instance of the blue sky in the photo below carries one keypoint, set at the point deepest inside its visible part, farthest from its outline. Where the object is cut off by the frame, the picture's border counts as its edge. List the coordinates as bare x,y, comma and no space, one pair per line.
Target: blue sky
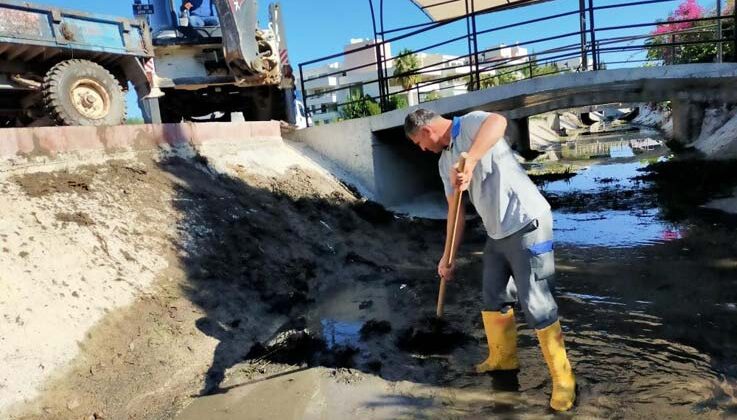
316,28
320,27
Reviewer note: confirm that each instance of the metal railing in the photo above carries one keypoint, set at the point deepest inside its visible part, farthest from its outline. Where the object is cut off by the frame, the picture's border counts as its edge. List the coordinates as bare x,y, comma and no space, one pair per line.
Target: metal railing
585,44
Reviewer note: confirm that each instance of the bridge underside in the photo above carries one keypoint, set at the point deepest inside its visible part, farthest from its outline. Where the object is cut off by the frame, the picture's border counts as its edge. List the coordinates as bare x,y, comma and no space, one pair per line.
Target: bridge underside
387,168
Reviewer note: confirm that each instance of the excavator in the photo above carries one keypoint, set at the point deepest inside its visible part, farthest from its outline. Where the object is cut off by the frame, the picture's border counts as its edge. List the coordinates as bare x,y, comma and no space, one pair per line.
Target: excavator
212,60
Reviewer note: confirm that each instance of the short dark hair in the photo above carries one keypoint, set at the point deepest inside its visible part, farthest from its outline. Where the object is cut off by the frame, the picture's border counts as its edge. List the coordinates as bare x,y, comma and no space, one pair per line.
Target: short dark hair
417,119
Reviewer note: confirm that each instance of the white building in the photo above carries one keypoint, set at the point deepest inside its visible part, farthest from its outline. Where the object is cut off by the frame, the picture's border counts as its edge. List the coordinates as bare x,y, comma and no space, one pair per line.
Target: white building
572,64
441,66
502,55
354,77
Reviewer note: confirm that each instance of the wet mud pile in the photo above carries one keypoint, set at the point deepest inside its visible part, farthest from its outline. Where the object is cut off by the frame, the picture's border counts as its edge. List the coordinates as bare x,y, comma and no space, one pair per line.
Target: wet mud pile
612,198
678,186
430,336
277,244
374,328
684,184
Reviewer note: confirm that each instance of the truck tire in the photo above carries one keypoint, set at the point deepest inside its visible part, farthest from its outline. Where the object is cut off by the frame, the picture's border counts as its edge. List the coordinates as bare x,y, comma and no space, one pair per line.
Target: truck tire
80,92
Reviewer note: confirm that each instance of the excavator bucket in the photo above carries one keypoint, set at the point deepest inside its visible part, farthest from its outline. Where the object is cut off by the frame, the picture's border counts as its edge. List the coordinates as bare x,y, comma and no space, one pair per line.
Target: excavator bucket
238,20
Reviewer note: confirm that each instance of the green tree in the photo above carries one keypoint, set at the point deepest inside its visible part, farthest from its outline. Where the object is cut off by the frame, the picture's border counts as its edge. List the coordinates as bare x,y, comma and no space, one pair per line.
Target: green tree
397,102
545,70
405,66
432,96
359,106
502,77
514,73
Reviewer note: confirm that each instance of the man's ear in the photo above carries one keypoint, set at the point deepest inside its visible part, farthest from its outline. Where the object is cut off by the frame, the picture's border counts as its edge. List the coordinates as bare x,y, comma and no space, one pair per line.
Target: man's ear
425,130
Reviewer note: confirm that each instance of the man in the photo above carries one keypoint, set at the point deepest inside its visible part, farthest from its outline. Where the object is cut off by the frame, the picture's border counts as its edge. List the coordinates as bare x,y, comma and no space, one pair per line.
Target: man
519,225
200,13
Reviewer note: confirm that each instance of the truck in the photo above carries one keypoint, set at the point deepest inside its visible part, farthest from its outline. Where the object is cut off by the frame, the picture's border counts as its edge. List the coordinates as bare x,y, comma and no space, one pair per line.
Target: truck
213,60
67,67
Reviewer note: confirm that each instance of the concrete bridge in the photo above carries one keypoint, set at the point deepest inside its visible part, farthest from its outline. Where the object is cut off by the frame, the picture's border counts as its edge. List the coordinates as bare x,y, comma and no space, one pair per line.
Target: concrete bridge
389,169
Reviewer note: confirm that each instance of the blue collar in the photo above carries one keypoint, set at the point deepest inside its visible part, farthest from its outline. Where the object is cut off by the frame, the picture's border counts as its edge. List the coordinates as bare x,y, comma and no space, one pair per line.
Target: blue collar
455,131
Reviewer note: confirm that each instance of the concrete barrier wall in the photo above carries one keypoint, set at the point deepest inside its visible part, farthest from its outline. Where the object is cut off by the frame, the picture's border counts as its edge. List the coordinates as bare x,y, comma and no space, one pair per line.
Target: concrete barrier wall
25,144
347,144
384,164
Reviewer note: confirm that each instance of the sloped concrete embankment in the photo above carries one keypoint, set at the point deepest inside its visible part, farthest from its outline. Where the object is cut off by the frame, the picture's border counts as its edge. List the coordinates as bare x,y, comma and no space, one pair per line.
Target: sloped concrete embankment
92,235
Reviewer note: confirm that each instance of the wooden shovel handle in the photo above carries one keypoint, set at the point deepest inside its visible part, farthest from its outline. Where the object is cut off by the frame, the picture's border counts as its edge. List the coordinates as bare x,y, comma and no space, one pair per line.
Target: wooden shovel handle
450,245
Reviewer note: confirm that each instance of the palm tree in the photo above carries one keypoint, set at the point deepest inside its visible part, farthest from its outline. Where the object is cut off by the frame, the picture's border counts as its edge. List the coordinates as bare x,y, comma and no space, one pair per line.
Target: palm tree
405,65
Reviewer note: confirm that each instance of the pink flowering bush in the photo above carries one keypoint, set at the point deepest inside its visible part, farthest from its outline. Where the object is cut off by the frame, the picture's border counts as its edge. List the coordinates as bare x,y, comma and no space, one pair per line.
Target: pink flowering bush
700,35
689,9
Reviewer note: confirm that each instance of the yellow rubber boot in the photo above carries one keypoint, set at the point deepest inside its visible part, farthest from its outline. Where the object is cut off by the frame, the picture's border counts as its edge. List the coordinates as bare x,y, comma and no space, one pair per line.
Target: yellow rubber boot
501,336
554,351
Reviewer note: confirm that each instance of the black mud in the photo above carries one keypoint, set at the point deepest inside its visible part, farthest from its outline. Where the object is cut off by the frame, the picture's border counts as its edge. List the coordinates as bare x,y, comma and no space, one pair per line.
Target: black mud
431,335
375,328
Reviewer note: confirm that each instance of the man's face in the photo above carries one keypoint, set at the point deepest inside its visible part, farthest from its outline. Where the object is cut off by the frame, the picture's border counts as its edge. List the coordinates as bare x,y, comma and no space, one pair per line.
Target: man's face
427,139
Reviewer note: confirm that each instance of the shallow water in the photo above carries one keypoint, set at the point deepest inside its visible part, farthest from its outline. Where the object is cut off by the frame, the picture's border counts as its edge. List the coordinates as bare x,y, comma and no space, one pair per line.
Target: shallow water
640,225
340,333
614,228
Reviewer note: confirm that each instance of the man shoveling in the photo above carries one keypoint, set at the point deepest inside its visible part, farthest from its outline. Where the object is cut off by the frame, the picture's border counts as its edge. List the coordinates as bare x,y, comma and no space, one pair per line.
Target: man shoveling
519,225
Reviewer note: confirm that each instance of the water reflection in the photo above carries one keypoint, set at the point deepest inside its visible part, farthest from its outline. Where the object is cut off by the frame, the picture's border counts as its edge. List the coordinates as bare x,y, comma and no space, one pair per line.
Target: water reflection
608,145
604,226
340,333
613,228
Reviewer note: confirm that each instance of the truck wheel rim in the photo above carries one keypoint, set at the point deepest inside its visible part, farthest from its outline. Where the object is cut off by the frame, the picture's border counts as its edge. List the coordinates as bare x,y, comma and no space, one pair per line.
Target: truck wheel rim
90,99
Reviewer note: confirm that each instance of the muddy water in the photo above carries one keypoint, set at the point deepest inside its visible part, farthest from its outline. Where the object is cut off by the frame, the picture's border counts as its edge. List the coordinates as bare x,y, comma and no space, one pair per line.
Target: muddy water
648,304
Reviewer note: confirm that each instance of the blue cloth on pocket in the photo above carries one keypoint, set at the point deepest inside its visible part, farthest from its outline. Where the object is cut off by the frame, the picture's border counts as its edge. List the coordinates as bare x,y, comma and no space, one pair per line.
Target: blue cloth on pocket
541,248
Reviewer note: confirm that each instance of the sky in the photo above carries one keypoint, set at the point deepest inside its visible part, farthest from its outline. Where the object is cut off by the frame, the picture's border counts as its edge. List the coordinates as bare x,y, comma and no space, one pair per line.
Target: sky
317,28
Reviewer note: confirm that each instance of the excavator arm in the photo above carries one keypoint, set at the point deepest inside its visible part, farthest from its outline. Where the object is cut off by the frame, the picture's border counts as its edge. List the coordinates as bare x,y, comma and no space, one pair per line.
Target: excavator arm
244,53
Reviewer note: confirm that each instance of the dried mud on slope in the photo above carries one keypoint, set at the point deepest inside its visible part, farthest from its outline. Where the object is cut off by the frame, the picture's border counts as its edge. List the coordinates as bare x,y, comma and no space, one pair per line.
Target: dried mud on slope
73,248
212,264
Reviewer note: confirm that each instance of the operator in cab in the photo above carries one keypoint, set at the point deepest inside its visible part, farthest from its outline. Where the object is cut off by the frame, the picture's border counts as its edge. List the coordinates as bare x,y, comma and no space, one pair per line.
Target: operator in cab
201,13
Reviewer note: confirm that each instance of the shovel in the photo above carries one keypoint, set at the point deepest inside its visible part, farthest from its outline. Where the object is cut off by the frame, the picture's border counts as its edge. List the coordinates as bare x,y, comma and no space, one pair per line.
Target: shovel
449,252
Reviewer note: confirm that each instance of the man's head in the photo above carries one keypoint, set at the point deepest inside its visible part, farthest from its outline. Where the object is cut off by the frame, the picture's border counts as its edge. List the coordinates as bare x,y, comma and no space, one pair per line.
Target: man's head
425,129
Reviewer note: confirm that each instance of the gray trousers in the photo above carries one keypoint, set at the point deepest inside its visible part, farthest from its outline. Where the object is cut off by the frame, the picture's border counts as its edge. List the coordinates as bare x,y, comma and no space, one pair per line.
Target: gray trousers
526,256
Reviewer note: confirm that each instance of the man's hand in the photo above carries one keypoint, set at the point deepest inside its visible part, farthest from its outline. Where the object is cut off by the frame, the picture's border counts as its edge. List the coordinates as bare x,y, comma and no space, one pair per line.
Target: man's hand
445,272
462,180
187,5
